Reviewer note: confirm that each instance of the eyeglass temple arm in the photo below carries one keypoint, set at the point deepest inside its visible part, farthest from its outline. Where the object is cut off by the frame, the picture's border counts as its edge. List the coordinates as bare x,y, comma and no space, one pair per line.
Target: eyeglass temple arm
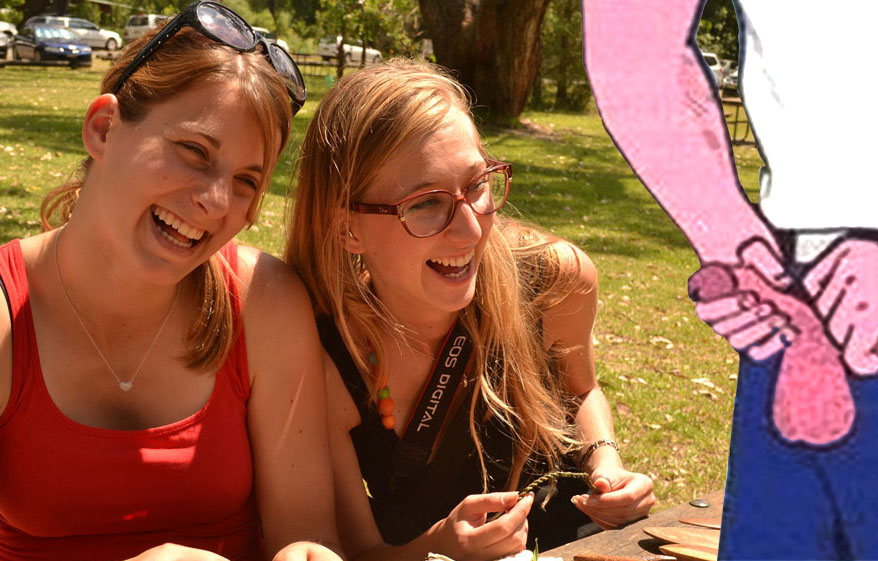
374,208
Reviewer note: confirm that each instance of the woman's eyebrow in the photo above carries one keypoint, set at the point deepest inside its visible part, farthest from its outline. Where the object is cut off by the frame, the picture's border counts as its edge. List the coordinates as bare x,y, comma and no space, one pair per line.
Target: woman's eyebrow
476,168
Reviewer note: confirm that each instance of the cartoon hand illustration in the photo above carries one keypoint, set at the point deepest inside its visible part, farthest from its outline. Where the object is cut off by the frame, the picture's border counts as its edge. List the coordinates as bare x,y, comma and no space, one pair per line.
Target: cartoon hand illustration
750,323
812,400
844,285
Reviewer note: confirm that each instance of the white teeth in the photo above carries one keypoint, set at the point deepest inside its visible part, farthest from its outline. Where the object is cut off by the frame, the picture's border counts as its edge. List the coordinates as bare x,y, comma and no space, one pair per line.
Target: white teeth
454,261
178,224
174,240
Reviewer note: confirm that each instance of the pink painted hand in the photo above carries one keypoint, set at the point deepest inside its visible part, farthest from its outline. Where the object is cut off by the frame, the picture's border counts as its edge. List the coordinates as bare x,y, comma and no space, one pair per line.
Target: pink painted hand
812,400
751,325
844,285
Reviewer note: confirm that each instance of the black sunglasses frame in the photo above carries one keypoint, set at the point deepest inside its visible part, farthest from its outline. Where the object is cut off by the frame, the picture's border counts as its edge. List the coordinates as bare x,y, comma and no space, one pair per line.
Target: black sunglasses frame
394,209
189,16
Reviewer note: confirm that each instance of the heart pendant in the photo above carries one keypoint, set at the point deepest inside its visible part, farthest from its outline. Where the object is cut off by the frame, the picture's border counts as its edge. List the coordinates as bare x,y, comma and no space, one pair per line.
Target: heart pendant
125,386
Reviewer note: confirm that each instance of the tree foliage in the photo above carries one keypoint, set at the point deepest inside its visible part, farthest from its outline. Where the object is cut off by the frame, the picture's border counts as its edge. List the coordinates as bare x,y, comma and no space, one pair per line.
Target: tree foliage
561,57
718,29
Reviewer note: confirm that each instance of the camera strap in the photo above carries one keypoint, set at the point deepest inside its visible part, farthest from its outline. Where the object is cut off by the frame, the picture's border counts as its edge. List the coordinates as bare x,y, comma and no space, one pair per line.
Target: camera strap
415,446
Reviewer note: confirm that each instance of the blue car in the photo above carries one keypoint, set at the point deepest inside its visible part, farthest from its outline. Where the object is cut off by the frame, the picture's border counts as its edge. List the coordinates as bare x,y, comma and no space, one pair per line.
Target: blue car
44,43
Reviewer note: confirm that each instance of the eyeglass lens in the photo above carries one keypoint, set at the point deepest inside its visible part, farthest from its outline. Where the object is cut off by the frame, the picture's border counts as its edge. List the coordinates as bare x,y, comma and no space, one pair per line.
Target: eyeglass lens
431,212
226,26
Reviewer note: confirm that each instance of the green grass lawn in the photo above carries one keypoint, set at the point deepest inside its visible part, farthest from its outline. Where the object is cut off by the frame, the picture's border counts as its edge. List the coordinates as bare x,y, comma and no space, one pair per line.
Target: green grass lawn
670,379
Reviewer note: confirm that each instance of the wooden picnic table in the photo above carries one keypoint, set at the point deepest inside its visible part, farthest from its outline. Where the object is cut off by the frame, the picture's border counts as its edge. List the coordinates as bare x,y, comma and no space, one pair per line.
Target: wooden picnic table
739,125
631,541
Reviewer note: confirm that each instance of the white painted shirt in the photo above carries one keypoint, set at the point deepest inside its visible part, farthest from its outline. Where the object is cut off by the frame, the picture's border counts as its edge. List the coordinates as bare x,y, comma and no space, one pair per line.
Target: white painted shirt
811,92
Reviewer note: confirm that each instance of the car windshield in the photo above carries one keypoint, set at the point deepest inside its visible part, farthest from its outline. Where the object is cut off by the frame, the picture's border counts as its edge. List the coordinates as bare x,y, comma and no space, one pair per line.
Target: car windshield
55,33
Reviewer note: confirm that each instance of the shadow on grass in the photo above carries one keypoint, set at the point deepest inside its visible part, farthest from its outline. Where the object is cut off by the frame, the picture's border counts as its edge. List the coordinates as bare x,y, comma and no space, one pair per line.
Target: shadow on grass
592,186
16,227
18,192
54,131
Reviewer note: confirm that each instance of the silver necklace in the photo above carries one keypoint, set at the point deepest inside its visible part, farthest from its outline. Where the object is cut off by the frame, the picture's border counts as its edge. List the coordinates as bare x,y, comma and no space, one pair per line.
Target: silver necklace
124,385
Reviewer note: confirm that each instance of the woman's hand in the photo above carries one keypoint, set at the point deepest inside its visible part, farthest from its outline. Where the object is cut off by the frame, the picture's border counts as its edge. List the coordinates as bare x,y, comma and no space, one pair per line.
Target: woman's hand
622,496
306,551
466,534
174,552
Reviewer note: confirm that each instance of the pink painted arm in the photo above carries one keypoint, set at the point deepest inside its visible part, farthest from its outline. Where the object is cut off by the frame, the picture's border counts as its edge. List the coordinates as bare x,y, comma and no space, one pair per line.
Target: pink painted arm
664,115
662,110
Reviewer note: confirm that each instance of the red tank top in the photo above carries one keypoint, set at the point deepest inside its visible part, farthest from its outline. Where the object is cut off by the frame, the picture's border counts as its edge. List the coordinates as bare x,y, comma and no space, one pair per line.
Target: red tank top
73,492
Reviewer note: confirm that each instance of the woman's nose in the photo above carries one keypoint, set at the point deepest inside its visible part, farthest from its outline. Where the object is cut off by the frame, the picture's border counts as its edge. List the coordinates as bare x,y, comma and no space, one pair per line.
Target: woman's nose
465,223
214,197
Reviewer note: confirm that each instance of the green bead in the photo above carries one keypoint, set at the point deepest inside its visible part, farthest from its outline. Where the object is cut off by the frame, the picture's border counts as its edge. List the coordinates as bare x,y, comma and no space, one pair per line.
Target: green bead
383,393
372,359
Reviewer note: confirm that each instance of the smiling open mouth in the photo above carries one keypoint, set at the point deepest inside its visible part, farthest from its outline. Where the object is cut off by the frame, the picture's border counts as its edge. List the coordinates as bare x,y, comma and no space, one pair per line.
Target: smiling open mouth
452,267
175,230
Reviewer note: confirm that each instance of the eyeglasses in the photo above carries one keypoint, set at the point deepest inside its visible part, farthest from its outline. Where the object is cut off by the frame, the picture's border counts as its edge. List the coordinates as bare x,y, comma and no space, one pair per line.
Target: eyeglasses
221,24
426,214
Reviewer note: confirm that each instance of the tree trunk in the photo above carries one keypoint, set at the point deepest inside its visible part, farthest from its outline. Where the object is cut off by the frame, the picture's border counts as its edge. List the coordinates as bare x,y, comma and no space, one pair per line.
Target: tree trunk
537,89
563,65
493,45
339,54
363,50
568,55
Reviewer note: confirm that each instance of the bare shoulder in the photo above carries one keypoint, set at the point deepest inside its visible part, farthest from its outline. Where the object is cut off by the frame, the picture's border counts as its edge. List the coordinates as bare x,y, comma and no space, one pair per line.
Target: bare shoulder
571,317
269,286
575,263
278,321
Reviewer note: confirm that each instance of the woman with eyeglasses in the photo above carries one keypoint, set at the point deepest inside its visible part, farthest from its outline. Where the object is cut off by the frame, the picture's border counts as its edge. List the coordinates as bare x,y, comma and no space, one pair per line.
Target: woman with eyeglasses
458,341
162,390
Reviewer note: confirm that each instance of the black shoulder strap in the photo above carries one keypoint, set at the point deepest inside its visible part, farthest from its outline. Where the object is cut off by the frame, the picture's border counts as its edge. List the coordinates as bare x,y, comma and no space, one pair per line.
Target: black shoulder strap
344,362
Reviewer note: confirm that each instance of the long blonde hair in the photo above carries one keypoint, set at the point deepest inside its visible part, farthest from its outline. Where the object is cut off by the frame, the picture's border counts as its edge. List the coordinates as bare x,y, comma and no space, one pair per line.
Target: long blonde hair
185,60
361,123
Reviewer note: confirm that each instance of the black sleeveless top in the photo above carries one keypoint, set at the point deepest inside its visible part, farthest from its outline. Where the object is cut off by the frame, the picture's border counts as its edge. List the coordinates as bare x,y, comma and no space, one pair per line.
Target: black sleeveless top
406,507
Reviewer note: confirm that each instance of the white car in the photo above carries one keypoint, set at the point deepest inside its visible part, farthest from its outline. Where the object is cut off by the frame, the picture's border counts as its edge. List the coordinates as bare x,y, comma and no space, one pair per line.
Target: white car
328,49
715,66
8,29
91,34
271,38
139,24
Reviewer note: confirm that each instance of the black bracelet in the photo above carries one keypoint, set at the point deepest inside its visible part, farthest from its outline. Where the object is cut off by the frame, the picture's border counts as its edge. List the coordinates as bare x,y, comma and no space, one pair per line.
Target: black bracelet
594,446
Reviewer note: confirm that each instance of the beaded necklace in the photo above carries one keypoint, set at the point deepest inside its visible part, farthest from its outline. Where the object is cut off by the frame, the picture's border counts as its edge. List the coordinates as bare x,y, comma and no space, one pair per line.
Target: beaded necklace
385,404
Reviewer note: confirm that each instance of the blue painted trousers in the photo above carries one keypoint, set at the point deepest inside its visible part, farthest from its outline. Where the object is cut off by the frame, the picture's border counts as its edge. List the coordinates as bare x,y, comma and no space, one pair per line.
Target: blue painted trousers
792,501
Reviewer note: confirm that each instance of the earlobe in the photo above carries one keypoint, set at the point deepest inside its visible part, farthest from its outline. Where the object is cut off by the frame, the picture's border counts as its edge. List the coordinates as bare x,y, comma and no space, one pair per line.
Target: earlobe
98,120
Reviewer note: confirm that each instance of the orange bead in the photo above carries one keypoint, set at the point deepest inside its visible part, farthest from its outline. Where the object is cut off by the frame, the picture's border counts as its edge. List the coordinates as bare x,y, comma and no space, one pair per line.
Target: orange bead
389,422
385,407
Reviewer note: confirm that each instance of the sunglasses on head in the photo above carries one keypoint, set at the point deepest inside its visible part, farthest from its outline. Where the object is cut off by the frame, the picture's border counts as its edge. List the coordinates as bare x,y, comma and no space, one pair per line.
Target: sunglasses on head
224,26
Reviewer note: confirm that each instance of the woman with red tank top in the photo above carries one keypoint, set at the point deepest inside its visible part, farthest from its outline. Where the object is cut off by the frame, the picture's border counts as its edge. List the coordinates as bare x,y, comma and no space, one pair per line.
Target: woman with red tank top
161,390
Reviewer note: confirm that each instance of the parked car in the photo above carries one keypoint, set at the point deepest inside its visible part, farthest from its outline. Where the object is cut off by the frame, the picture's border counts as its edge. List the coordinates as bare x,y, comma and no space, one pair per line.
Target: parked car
271,38
730,80
95,36
4,45
50,42
141,23
8,29
713,62
91,34
328,49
